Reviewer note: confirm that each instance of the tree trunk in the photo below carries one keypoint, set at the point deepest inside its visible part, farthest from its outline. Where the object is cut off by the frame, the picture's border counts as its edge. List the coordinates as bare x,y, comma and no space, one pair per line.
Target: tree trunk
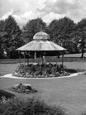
82,53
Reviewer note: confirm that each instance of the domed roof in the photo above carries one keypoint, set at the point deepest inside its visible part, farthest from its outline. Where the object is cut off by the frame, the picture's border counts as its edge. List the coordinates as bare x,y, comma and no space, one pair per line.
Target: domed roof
41,36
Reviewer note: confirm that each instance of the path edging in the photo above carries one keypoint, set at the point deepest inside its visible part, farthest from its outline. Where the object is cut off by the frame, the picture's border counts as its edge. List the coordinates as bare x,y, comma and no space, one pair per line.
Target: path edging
14,77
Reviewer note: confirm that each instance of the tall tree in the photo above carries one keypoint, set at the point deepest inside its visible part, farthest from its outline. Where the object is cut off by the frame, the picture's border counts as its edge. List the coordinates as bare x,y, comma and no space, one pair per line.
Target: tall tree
82,34
1,51
1,38
12,38
2,22
60,31
32,27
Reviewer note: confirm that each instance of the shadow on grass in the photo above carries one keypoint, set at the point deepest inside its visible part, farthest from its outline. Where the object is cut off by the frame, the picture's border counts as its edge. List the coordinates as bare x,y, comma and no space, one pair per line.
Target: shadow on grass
6,95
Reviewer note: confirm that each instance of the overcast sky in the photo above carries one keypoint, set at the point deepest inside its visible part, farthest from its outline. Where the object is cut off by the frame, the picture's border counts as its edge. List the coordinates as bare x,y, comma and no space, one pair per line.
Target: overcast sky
24,10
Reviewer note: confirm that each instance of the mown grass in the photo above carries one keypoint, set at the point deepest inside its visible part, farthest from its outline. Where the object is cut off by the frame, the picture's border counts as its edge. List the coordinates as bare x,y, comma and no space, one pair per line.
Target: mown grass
68,92
67,58
7,68
48,59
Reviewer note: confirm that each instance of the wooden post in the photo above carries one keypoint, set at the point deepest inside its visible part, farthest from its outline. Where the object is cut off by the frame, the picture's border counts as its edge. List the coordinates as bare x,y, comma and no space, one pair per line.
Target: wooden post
28,59
42,59
41,63
62,59
19,57
25,63
56,63
56,60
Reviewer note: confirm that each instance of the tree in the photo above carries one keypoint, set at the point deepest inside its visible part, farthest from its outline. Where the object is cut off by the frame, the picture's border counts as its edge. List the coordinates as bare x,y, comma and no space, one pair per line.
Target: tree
12,37
1,38
74,41
82,33
31,28
2,25
60,31
1,51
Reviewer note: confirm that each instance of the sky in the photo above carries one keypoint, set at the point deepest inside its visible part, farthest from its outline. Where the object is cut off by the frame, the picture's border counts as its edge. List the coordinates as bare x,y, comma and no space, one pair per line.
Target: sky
48,10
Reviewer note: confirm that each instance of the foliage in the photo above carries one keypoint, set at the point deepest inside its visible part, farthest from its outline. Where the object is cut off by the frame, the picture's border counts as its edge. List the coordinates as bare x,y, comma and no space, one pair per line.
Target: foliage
32,27
1,51
5,94
82,33
10,34
29,107
2,34
63,32
60,31
43,71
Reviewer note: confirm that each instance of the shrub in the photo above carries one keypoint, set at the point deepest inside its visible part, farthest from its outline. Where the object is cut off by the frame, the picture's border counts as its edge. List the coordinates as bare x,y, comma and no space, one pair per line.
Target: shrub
29,107
6,94
33,68
48,70
71,70
83,113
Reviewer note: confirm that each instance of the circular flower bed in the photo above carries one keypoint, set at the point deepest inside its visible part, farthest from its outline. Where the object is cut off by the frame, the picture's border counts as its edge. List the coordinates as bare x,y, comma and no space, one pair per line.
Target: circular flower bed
42,71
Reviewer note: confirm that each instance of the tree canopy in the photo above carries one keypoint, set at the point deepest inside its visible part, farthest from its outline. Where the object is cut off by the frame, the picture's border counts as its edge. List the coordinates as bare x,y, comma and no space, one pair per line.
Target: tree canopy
64,32
60,32
10,35
32,27
82,35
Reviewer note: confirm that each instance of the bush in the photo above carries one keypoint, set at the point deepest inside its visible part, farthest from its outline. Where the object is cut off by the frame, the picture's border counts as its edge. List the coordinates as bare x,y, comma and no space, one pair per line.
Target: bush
83,113
6,94
29,107
71,70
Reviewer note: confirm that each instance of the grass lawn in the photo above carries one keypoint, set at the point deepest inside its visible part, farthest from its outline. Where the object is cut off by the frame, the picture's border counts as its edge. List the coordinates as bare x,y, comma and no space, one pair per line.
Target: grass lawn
70,93
7,68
